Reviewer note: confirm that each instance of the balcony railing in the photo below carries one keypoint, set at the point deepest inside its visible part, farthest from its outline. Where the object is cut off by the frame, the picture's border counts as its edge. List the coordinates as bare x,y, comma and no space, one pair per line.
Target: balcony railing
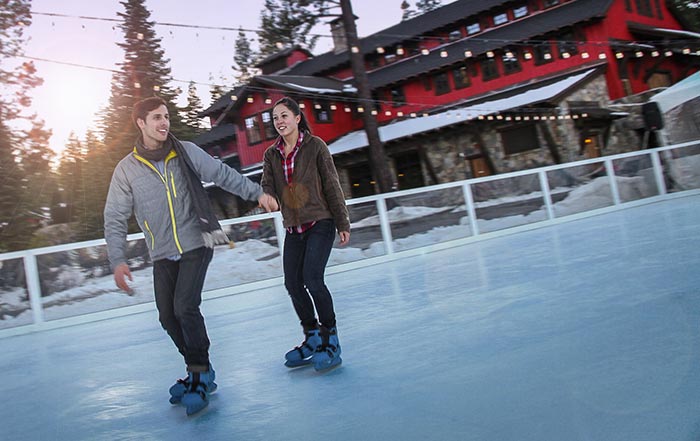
56,286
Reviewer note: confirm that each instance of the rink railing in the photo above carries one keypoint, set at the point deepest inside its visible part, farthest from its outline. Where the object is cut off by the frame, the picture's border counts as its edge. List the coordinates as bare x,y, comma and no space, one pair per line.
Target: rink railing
651,170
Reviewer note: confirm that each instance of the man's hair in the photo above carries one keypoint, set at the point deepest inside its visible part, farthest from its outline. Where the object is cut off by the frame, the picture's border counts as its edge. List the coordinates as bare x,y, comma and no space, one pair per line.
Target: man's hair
141,108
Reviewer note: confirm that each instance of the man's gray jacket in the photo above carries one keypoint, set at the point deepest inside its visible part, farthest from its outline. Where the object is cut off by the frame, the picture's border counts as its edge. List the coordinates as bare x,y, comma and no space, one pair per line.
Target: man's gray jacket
162,202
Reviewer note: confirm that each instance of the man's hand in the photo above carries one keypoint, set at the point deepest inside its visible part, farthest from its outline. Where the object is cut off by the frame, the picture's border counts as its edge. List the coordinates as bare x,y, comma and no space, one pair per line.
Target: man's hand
121,272
268,203
344,237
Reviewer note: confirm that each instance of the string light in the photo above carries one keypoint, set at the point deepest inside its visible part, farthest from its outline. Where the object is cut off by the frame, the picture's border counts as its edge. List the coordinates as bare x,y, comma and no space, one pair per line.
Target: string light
526,54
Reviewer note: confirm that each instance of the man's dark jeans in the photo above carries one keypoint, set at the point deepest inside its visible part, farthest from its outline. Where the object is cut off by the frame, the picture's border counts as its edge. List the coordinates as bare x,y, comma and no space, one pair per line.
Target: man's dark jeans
305,258
178,291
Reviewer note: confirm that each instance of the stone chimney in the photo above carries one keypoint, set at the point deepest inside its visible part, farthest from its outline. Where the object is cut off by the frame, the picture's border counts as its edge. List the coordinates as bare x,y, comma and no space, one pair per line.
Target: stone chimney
340,43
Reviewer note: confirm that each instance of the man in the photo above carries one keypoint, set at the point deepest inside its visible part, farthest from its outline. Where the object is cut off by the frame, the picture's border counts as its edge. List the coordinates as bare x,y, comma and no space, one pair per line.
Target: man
160,181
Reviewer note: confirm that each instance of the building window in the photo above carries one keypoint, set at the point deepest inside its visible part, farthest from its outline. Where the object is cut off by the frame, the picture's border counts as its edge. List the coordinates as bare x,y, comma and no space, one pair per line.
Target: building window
659,13
519,139
268,125
489,69
427,83
550,3
322,112
566,44
397,96
455,35
644,7
461,77
252,129
473,28
543,53
511,64
442,85
520,11
500,19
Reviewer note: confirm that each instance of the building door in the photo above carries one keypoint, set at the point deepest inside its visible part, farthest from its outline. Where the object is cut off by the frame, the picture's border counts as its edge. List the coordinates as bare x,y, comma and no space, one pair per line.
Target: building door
361,180
479,166
408,170
591,147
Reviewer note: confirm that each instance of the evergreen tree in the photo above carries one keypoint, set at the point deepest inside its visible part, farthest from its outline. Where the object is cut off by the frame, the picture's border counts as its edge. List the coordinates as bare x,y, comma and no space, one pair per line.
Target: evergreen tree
23,152
286,23
687,12
95,184
191,113
217,89
427,5
69,197
408,12
144,72
243,58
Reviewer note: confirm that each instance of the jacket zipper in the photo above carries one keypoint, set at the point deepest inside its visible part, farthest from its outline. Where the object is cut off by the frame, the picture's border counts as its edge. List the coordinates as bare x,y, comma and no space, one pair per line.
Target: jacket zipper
163,177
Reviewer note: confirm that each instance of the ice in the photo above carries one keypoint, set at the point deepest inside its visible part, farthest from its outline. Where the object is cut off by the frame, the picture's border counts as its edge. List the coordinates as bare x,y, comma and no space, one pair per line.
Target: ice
583,330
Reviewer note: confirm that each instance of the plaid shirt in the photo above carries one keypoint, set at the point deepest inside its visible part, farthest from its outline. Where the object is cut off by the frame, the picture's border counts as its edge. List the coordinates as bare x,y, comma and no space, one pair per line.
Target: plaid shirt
288,167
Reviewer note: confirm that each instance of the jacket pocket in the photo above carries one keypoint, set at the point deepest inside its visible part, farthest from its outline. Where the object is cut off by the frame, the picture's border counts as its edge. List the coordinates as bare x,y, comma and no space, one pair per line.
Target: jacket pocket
150,233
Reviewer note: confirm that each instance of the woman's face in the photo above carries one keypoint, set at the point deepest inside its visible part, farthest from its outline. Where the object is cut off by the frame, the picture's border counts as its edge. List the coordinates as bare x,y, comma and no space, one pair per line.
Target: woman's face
286,122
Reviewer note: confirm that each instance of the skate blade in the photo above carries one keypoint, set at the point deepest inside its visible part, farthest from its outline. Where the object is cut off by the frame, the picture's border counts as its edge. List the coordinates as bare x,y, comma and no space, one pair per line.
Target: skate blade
194,403
329,367
297,364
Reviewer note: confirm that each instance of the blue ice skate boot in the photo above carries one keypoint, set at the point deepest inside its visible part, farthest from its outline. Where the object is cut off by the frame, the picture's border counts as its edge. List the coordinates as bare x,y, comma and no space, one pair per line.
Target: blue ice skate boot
301,355
178,389
196,396
327,355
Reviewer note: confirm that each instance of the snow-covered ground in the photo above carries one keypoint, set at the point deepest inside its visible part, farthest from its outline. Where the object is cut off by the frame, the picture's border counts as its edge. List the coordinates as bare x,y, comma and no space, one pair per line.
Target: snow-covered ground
584,330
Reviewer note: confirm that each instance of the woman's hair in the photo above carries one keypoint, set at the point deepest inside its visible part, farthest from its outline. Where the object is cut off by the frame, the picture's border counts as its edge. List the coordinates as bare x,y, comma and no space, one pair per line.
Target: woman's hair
141,108
296,110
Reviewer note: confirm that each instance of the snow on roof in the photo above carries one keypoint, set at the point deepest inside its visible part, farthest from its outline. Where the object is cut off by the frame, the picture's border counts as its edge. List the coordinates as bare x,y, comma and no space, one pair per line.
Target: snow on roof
412,126
679,93
677,32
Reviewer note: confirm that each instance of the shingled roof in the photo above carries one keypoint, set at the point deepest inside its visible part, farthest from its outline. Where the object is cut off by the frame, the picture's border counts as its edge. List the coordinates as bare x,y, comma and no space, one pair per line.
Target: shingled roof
532,26
406,30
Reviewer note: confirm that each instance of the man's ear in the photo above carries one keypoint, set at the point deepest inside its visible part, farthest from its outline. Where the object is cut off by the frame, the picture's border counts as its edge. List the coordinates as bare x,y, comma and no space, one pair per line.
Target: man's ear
140,123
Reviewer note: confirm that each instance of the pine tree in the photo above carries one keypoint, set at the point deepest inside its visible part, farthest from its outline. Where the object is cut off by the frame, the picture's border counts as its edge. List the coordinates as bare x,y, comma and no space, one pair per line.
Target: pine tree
144,72
243,58
69,197
407,11
95,183
23,152
427,5
217,89
687,12
284,24
191,113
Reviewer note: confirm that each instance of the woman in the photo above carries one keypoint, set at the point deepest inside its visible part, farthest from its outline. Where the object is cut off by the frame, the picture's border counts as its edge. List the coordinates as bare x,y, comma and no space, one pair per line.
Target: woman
298,169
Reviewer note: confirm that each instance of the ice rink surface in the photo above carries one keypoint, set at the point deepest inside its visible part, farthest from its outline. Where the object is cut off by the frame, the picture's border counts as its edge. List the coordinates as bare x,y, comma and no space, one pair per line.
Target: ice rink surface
585,330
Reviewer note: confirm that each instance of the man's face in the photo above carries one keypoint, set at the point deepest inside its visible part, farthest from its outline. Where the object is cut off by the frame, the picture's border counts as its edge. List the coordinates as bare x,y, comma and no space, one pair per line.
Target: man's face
155,128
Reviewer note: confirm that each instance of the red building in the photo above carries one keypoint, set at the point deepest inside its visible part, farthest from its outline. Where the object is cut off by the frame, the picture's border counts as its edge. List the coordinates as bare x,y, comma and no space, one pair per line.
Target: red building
472,88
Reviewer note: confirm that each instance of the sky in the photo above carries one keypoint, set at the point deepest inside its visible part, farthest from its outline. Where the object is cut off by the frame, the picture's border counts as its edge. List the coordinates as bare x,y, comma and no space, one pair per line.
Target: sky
71,95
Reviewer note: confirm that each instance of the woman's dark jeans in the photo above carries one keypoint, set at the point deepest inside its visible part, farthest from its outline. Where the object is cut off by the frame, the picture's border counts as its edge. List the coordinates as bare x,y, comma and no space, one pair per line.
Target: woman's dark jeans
178,290
305,258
